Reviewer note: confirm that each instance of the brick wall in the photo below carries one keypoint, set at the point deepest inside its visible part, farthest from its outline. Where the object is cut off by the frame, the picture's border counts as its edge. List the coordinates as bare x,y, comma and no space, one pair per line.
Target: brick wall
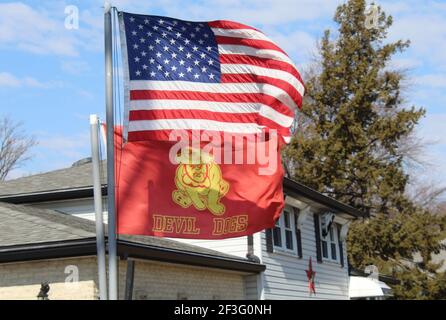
167,281
153,280
22,280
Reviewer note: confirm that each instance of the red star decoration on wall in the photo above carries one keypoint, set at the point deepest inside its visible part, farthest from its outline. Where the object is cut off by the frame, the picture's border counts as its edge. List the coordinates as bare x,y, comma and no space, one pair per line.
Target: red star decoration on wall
311,275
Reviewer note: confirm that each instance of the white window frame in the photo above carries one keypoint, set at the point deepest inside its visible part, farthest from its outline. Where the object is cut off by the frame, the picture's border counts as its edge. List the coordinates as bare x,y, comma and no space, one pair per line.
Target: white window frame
281,221
329,242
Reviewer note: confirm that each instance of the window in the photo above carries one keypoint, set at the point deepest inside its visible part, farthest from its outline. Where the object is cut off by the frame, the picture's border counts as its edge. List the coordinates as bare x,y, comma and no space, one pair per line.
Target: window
330,244
284,235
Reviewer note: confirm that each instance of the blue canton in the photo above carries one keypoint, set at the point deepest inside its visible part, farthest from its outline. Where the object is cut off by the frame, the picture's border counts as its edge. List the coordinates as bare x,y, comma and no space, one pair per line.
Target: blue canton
161,48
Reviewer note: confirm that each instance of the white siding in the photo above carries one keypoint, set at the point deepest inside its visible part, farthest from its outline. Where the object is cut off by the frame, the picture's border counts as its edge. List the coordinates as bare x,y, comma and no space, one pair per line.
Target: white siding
82,208
285,276
234,246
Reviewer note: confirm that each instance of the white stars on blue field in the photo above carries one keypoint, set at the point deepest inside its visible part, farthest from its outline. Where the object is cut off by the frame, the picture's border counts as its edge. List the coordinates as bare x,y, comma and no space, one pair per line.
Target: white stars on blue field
161,48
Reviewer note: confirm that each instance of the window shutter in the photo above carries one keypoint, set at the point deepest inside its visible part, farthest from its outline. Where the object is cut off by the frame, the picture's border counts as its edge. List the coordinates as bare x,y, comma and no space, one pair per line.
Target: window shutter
318,237
269,240
298,236
341,248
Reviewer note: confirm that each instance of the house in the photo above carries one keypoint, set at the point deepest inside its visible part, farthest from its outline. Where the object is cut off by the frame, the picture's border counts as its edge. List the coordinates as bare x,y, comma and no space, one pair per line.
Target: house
313,226
41,245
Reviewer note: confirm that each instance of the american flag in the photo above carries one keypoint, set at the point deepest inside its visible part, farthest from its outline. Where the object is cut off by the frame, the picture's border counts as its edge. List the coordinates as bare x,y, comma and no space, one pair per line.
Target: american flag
218,76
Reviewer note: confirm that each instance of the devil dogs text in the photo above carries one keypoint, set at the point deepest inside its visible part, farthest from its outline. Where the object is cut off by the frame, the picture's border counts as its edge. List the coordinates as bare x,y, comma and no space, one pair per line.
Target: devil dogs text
188,225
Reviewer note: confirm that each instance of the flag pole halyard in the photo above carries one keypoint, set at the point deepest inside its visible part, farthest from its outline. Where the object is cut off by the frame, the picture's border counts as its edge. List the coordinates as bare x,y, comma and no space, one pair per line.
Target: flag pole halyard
100,237
112,246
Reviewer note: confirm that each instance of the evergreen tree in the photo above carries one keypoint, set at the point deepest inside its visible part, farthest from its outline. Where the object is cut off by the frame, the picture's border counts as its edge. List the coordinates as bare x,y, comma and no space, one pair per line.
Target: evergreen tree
403,246
355,119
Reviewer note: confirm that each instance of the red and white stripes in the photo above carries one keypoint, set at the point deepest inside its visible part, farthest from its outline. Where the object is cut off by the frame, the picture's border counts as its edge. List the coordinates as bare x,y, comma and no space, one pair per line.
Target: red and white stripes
260,88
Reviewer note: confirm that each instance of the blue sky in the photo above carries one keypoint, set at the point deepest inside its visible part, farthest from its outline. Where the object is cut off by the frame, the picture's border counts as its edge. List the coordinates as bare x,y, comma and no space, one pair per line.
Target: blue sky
51,78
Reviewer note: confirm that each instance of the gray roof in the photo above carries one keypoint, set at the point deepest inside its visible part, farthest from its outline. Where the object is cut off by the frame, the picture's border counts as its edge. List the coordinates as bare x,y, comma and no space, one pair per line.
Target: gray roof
75,177
25,225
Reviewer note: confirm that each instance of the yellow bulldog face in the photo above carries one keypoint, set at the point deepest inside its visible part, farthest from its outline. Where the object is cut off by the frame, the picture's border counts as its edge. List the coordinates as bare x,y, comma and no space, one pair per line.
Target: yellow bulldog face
196,165
199,182
197,172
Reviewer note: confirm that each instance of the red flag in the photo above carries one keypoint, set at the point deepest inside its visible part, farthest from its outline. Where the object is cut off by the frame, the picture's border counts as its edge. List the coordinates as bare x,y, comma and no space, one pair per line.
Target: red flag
205,199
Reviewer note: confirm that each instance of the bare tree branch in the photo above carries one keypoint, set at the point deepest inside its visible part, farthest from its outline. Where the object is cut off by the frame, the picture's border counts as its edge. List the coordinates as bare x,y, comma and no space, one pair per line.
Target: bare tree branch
14,146
429,195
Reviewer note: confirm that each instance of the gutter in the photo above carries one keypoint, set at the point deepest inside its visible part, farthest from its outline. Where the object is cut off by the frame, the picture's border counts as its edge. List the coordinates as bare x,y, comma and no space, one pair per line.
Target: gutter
126,249
52,195
141,251
294,188
49,250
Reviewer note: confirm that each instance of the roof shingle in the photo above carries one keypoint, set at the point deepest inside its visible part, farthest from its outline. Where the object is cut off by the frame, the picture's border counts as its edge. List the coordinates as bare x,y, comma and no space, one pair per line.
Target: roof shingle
77,176
26,225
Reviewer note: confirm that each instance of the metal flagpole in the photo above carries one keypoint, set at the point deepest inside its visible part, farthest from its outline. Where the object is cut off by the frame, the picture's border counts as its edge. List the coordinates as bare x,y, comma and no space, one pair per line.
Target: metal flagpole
112,248
100,242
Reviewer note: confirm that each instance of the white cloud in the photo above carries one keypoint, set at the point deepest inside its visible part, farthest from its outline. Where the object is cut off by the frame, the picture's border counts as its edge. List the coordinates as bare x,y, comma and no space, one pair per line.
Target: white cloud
8,80
298,44
404,63
34,31
85,94
75,67
432,128
71,148
261,12
41,30
54,151
437,81
431,131
424,24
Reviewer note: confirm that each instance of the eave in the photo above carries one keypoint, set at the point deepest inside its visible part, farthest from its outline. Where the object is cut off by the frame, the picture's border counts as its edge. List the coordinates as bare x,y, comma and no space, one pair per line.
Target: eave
126,249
